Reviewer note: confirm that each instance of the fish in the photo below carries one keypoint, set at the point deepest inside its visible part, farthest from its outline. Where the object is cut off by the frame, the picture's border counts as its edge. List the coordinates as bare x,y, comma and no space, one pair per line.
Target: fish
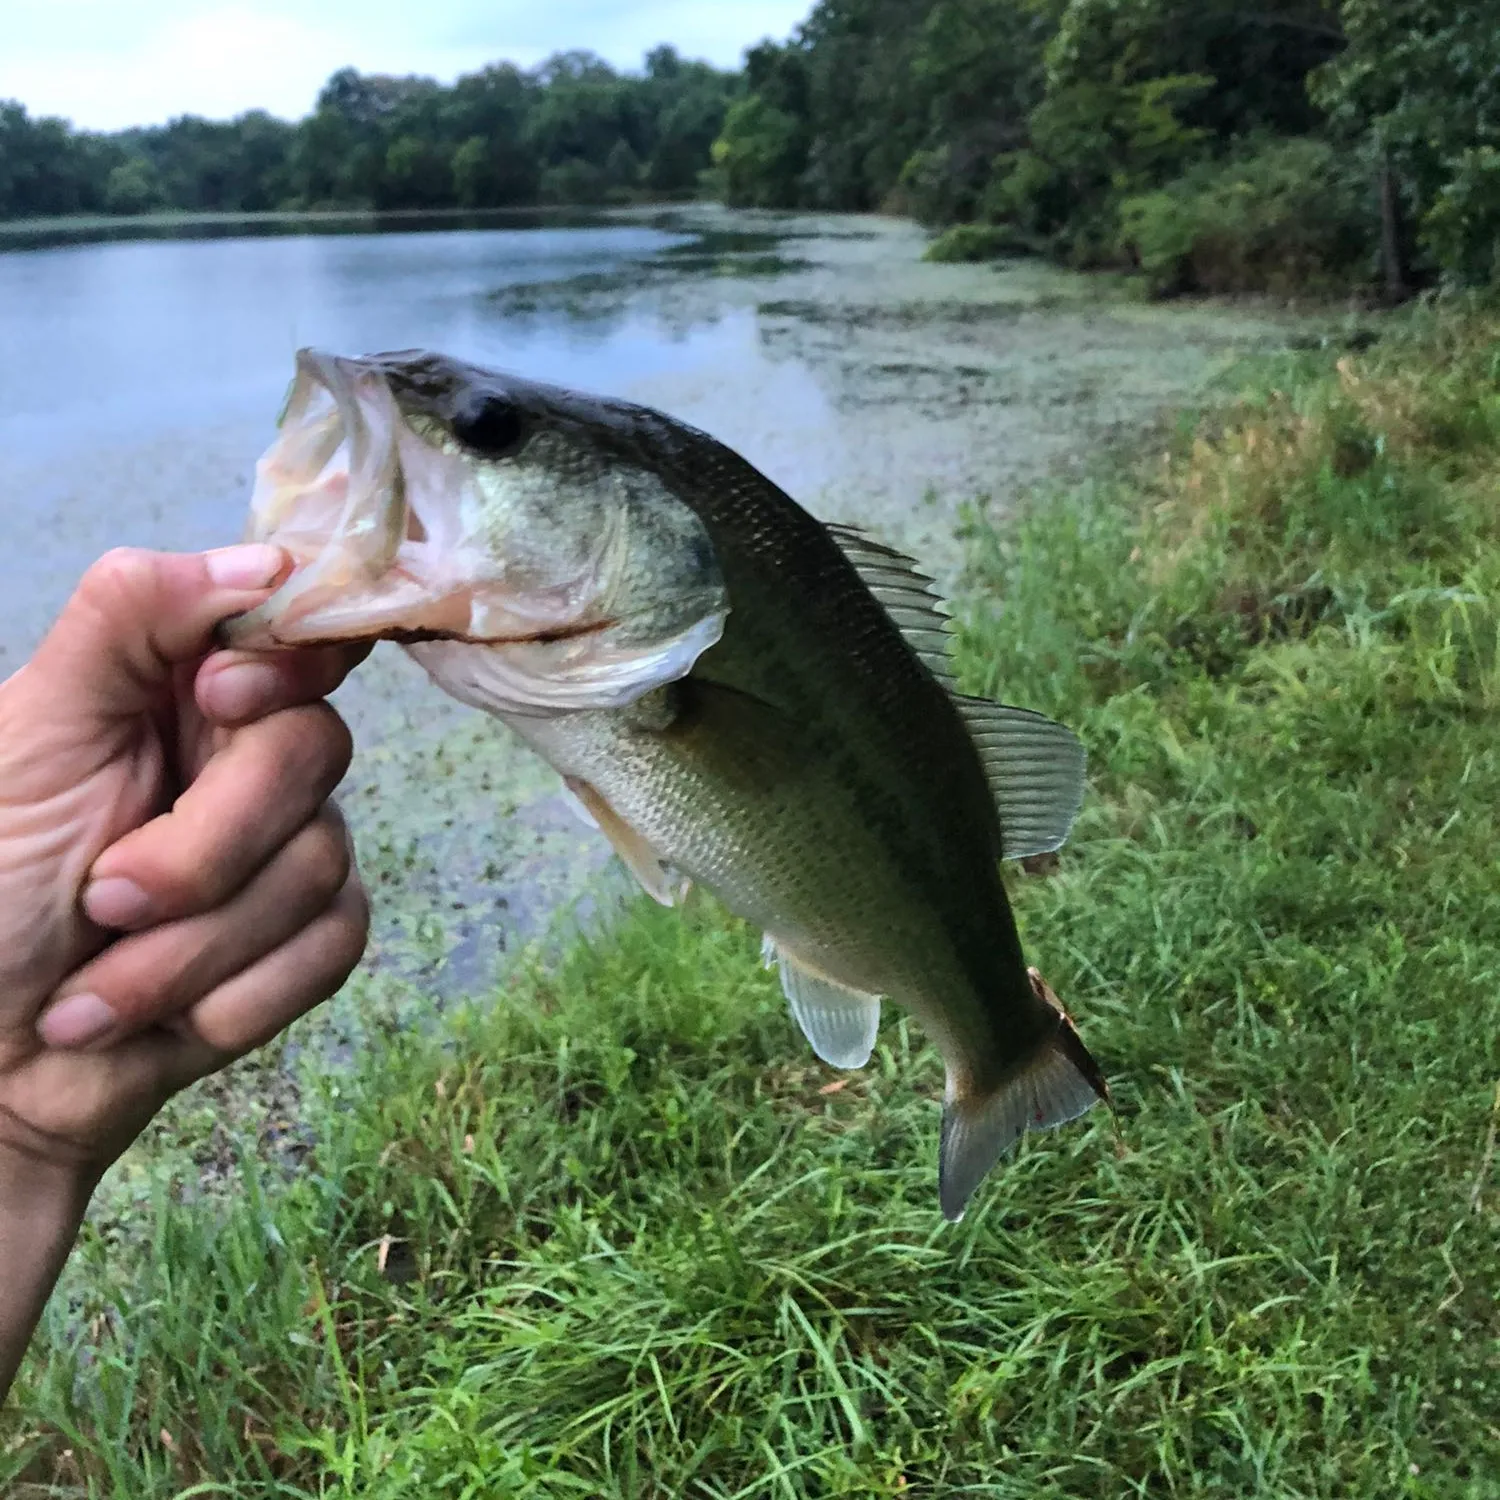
740,696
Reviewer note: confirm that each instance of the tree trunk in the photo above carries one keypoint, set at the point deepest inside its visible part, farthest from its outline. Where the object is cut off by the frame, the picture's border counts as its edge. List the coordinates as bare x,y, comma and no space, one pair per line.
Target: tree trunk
1392,246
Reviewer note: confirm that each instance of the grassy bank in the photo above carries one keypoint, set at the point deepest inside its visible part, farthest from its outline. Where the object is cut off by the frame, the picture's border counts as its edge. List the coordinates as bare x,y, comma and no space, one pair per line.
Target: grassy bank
622,1236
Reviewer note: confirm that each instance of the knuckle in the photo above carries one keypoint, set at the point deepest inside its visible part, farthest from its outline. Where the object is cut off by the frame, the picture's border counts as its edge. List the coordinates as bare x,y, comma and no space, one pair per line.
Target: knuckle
123,573
340,943
323,859
338,742
315,745
199,875
350,932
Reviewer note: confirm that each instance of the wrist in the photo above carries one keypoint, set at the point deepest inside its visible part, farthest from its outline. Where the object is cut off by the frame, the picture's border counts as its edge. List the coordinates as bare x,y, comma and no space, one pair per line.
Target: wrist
38,1188
42,1203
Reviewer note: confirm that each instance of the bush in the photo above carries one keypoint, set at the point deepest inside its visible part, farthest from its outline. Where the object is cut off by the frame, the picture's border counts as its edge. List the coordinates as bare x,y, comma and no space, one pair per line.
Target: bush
1290,215
969,242
1091,145
1462,228
574,181
133,188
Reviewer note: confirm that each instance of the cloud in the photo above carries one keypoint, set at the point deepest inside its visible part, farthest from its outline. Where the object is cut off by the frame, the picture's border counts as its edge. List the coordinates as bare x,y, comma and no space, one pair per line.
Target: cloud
106,65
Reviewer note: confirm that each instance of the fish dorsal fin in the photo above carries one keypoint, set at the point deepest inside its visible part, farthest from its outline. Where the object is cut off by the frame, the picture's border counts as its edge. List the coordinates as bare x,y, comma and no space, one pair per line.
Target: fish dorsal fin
906,593
840,1023
656,877
1034,765
1035,770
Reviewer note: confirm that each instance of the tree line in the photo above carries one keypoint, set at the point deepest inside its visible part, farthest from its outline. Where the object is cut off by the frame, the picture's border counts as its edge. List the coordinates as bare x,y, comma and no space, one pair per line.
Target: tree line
573,130
1214,144
1221,145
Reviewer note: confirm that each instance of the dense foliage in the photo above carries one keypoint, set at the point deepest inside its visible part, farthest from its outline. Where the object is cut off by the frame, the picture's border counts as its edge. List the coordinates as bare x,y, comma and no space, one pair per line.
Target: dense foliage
571,130
1214,144
1220,145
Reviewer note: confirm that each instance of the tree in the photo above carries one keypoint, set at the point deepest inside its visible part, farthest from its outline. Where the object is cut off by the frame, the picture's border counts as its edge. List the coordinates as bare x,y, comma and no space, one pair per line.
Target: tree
418,174
1419,83
133,188
763,149
48,168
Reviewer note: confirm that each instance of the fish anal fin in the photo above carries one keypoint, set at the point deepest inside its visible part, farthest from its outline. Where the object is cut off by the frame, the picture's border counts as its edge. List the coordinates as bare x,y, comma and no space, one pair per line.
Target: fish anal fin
1035,768
639,858
840,1023
1059,1083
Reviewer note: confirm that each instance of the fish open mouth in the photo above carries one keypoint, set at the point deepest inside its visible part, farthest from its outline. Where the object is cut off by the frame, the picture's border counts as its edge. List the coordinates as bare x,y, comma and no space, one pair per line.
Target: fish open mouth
536,581
373,516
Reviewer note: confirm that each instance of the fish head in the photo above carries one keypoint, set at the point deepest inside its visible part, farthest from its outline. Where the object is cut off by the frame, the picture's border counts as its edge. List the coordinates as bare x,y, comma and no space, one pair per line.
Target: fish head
425,500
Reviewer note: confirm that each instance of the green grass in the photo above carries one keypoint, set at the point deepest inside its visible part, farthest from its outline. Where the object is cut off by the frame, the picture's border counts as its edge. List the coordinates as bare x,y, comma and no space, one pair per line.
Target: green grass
616,1236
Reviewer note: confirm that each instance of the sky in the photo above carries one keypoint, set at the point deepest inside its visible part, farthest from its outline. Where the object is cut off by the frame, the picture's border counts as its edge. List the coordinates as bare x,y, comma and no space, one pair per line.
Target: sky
105,64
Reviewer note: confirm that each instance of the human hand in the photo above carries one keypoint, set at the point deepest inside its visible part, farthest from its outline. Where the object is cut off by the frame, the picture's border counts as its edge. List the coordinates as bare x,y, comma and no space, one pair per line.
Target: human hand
175,886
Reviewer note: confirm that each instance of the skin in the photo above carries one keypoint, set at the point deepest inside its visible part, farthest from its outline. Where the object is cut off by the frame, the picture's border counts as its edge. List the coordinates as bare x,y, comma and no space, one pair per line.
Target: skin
175,885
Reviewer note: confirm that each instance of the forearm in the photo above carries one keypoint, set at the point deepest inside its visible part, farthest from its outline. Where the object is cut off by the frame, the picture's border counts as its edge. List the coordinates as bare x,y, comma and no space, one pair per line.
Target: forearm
40,1211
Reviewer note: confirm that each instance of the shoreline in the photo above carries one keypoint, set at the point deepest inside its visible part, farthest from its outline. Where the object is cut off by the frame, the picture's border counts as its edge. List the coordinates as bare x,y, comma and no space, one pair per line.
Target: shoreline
101,228
876,388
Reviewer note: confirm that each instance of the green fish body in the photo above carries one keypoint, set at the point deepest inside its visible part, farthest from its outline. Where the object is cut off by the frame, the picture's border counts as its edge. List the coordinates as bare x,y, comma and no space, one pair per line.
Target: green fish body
739,695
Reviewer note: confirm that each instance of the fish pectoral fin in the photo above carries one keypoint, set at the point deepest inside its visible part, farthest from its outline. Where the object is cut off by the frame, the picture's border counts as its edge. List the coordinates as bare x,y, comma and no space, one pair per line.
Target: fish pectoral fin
660,882
1035,769
839,1022
1059,1083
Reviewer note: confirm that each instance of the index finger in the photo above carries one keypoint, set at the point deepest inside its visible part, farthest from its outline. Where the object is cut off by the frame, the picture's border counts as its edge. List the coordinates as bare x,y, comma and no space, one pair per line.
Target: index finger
134,617
253,794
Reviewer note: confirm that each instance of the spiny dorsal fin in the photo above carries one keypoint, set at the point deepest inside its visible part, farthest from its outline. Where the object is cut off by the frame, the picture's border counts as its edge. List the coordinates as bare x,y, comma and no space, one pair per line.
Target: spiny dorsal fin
1035,768
840,1023
908,595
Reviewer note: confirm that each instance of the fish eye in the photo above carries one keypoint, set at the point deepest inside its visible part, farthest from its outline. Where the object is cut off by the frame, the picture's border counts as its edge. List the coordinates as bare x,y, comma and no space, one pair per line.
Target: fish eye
492,427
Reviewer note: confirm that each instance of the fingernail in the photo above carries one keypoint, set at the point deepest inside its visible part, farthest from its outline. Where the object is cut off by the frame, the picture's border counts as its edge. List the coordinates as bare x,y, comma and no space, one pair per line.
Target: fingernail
112,901
242,691
255,565
76,1021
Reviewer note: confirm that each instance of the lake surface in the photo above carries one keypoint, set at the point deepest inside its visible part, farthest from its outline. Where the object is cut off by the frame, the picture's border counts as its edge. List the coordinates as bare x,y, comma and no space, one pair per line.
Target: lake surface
139,380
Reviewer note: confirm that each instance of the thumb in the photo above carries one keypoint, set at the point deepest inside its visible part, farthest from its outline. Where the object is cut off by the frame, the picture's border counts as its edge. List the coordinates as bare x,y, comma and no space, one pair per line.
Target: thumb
136,616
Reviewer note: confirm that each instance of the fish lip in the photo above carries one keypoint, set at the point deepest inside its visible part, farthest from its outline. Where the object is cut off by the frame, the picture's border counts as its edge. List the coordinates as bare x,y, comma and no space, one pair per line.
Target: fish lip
347,382
235,633
332,373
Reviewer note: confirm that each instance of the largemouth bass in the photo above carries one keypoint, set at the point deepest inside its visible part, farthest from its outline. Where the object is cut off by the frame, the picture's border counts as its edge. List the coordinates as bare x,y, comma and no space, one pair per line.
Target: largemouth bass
740,696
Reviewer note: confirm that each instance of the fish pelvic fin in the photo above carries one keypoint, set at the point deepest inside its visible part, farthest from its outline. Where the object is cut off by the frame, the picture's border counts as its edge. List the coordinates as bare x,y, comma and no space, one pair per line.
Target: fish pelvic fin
840,1023
1058,1083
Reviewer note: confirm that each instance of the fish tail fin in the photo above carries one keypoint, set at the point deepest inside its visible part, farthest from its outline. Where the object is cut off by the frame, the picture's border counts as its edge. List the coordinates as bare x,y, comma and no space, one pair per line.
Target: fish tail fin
1058,1083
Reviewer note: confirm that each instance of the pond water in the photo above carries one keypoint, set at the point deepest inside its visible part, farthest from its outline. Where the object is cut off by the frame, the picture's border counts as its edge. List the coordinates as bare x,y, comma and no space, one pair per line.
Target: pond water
140,379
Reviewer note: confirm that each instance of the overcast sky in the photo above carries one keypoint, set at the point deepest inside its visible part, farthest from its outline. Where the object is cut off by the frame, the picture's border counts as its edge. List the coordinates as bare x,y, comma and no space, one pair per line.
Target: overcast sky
109,63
